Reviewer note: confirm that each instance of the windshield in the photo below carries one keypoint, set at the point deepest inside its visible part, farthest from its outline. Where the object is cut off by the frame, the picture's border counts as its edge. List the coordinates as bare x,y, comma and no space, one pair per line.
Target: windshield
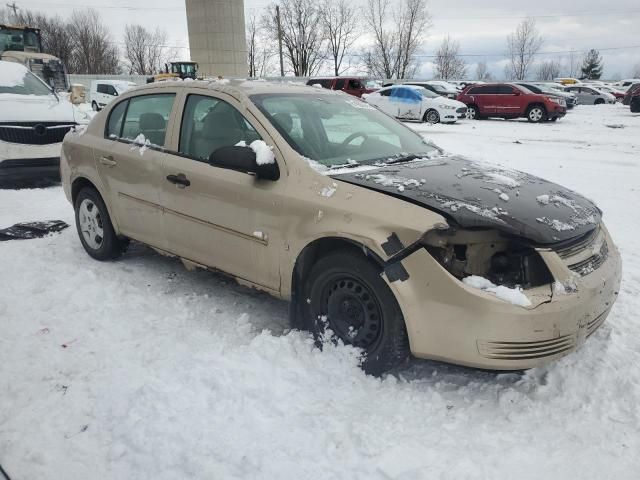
16,79
334,130
14,39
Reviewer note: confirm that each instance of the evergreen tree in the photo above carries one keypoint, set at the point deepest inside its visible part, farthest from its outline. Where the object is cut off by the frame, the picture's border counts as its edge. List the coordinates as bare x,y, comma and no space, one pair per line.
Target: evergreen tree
592,65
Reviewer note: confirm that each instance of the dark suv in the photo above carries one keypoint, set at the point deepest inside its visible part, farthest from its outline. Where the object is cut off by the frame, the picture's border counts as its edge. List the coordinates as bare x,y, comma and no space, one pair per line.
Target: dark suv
508,100
351,85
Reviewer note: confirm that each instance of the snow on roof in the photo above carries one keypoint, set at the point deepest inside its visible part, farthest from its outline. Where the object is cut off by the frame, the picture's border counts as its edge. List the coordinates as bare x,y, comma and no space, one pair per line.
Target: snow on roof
12,74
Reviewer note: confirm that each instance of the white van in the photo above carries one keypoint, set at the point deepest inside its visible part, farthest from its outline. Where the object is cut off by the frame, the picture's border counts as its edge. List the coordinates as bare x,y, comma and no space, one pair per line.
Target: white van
103,91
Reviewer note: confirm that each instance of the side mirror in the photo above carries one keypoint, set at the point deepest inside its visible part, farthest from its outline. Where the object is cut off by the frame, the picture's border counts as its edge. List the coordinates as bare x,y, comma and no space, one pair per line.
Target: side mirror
243,159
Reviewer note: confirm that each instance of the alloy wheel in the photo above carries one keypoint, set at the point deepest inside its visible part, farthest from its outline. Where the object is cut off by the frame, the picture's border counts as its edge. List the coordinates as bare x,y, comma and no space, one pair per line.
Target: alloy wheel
91,224
536,114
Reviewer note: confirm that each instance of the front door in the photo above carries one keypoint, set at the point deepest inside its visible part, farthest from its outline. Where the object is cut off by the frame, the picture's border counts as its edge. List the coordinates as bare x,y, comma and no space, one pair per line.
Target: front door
218,217
129,160
508,101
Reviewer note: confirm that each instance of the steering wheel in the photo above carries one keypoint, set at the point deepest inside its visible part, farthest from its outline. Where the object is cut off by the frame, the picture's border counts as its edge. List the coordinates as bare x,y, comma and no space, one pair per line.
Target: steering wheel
352,137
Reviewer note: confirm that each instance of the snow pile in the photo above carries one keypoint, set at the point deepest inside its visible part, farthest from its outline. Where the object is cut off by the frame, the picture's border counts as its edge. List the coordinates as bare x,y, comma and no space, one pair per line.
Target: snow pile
264,152
141,143
513,296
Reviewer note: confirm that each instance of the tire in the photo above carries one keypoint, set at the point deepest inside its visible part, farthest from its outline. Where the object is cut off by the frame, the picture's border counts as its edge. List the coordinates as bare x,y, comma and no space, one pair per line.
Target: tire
536,114
431,116
95,228
345,293
473,113
599,101
635,105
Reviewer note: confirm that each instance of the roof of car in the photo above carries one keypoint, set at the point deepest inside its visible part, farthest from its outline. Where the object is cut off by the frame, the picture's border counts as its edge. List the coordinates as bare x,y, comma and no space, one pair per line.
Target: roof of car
242,86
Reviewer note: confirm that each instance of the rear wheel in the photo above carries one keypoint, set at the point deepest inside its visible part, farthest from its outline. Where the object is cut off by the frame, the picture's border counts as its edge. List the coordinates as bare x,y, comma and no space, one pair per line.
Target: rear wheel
431,116
599,101
94,226
536,114
345,294
473,113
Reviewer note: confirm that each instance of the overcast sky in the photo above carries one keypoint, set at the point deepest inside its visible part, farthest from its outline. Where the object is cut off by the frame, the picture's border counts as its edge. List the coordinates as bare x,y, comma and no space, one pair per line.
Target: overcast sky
480,26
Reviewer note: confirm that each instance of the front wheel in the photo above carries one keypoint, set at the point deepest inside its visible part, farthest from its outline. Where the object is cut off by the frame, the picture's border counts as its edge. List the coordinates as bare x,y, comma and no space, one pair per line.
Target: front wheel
431,116
536,114
599,101
94,226
345,296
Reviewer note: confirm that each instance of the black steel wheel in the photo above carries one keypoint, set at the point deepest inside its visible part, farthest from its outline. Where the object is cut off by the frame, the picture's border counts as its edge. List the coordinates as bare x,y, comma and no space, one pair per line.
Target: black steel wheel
345,294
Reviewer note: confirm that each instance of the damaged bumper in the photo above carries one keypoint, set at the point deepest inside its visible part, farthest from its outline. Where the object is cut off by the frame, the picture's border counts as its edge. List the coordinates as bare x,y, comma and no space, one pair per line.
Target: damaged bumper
450,321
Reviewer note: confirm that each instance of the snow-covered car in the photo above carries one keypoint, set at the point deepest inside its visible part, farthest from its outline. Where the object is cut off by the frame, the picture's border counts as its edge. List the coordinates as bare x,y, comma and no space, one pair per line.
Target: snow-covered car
378,238
588,95
33,122
412,102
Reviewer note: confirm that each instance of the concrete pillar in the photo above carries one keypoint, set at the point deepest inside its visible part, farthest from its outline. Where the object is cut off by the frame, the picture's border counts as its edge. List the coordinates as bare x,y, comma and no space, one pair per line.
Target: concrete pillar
217,38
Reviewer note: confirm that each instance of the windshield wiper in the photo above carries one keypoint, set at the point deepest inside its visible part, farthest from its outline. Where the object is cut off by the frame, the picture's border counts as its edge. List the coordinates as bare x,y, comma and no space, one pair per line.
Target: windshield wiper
404,158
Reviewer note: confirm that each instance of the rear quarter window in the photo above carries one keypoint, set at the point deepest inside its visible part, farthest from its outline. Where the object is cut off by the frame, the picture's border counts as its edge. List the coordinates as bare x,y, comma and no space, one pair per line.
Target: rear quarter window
114,123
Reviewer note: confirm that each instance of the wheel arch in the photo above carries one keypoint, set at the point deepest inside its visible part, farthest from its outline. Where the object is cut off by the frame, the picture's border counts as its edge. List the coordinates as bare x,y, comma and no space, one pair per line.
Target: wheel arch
83,182
315,250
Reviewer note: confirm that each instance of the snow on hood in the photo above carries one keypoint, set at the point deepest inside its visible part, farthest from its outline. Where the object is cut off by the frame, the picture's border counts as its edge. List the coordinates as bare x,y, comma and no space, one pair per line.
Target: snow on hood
34,108
476,195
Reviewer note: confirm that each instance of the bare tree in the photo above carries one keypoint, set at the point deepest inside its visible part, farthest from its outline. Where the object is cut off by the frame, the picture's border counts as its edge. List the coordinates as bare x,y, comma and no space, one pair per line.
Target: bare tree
145,51
482,72
449,65
339,21
4,15
522,47
549,69
93,50
302,39
572,66
396,38
259,50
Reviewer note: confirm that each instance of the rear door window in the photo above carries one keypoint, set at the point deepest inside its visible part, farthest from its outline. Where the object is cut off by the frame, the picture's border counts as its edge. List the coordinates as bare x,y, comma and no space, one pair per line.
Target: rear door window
505,90
147,118
339,84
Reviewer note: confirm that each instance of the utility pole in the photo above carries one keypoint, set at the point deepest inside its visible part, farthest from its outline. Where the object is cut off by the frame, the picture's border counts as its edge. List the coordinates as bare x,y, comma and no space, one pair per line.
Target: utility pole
15,8
280,40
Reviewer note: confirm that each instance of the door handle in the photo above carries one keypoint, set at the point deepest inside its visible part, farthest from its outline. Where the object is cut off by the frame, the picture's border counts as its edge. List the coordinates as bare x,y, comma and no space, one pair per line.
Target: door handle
108,161
180,180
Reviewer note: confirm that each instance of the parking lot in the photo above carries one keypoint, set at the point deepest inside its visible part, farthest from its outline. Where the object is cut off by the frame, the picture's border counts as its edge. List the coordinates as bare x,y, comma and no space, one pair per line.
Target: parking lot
139,368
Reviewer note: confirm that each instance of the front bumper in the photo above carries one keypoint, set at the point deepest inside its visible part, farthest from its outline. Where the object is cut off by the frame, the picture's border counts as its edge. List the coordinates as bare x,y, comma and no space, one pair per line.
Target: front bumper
447,320
25,162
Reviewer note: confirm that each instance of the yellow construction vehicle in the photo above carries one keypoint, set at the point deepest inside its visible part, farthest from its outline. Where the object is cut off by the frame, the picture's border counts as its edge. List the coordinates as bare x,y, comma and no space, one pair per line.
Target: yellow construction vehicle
22,44
172,70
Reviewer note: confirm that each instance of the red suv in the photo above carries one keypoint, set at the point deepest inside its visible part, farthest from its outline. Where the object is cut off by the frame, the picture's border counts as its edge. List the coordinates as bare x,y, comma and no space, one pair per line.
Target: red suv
351,85
508,100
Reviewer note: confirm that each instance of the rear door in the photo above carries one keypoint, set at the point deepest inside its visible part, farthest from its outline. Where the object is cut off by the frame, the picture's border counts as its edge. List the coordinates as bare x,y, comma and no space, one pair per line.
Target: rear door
218,217
485,98
129,160
339,84
508,101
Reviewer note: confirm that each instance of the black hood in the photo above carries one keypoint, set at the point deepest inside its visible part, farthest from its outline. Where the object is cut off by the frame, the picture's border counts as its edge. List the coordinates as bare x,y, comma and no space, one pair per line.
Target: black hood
476,195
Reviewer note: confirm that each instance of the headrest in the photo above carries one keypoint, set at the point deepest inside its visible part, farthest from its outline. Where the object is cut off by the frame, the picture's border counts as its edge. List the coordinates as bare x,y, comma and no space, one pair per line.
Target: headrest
151,121
284,120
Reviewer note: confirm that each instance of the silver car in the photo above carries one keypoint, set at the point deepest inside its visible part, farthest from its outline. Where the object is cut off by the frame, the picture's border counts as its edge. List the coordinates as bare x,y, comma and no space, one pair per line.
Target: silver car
590,95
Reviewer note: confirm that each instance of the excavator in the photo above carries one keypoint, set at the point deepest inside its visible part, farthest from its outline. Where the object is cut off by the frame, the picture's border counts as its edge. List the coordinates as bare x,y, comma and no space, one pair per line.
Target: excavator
173,70
22,44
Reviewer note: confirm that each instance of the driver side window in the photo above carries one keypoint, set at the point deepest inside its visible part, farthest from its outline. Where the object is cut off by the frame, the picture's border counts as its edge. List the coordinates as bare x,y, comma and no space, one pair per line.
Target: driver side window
208,124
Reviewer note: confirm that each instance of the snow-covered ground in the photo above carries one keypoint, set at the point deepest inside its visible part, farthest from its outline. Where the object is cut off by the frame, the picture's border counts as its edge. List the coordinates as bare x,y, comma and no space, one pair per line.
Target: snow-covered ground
138,369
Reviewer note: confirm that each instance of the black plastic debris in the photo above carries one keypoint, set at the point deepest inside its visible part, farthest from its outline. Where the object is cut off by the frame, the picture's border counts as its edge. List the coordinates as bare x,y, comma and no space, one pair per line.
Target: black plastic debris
30,230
